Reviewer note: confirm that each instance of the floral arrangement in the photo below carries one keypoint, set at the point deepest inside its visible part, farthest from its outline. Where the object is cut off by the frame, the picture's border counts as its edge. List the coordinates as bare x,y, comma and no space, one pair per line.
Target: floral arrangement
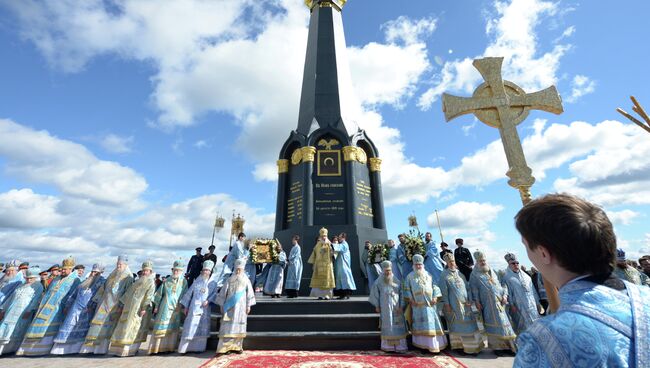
265,246
252,252
380,250
414,244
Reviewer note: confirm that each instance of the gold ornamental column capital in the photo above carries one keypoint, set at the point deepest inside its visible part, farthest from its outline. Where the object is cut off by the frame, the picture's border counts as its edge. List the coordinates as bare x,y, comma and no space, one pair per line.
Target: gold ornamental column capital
349,153
375,164
308,153
352,153
283,166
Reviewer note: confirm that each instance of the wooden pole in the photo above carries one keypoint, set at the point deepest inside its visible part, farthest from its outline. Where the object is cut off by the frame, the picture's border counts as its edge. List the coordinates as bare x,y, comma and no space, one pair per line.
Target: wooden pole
439,227
639,110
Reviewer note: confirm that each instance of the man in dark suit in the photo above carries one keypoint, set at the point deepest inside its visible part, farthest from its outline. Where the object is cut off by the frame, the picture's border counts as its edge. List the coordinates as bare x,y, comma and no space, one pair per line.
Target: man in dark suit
444,250
194,266
464,259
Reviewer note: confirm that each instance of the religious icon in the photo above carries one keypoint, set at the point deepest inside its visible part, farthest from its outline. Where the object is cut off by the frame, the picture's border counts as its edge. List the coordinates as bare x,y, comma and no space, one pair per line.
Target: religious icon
329,162
413,221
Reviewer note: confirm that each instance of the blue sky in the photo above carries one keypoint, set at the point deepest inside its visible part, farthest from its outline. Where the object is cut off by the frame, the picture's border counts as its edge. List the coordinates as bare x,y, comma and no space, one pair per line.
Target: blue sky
125,126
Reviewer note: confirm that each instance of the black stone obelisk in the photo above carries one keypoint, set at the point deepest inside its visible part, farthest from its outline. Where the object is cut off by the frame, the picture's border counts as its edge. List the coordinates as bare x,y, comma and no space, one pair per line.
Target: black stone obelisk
328,169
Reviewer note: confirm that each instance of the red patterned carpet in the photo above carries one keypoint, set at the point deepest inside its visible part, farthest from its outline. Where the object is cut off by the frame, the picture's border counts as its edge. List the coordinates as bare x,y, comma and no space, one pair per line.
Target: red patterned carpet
339,359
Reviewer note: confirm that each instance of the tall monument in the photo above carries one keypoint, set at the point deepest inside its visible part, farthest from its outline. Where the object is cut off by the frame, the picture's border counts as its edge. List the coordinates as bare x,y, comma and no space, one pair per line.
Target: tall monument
329,171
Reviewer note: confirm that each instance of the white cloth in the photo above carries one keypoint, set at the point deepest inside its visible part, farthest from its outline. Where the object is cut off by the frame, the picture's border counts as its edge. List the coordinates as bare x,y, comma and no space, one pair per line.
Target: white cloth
434,344
100,349
9,347
386,345
63,349
196,345
124,350
321,293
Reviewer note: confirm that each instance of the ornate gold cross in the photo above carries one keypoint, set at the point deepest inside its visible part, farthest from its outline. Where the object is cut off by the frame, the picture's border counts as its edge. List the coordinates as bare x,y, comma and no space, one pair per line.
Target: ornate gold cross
504,105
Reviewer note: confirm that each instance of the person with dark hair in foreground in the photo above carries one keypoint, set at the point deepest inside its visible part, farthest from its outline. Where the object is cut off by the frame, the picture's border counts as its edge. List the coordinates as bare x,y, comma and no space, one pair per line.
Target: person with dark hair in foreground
602,320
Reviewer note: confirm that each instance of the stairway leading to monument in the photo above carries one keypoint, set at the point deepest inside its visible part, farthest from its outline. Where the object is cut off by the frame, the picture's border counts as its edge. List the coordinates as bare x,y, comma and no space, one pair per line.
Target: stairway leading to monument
308,324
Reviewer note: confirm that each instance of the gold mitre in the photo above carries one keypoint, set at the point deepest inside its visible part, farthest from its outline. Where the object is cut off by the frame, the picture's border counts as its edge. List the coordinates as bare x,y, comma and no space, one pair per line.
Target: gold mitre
68,263
448,257
322,231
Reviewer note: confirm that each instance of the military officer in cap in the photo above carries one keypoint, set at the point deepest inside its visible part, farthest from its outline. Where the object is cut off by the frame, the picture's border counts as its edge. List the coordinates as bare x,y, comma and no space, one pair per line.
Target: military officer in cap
194,266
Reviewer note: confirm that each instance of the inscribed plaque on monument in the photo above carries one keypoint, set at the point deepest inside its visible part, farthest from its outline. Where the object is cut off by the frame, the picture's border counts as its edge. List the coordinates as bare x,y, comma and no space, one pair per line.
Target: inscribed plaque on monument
329,162
363,190
329,200
294,205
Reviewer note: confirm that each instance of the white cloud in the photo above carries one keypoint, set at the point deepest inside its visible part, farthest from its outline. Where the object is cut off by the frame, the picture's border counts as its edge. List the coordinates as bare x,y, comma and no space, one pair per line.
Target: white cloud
581,86
471,221
40,157
374,60
568,32
117,144
201,144
616,170
97,227
266,172
223,46
623,217
22,208
466,217
408,31
194,60
512,34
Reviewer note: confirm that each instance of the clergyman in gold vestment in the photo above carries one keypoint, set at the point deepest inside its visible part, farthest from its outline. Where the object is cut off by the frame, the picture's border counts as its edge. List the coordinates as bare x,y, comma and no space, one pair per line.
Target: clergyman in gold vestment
322,278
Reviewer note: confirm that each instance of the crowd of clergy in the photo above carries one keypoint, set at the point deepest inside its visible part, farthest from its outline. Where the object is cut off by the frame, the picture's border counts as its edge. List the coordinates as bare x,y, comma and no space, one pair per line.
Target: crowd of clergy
430,296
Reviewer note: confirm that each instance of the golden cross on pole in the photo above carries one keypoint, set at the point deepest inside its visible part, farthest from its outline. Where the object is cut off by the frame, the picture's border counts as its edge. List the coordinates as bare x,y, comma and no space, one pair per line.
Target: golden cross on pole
504,105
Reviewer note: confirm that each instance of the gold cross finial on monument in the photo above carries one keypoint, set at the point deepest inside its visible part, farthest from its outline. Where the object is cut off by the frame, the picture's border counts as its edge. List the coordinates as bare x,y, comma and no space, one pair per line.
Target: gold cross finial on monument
504,105
336,4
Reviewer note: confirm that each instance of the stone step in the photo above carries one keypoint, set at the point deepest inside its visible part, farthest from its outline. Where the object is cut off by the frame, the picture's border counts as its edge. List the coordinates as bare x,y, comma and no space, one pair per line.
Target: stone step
308,322
321,340
303,305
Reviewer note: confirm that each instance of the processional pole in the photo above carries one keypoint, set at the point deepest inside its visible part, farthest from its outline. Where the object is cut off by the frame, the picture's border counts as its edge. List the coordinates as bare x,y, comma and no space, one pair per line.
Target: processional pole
639,110
439,227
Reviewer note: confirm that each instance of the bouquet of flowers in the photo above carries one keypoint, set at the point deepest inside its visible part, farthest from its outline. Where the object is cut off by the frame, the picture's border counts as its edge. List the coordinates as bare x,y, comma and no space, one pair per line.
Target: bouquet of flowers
414,244
378,253
252,252
275,256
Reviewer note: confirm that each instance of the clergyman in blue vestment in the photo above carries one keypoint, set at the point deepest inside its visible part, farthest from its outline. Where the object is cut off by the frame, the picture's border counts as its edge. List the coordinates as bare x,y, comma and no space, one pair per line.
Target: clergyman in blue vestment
342,268
491,298
294,269
39,338
464,333
386,297
16,312
523,300
196,304
432,263
80,310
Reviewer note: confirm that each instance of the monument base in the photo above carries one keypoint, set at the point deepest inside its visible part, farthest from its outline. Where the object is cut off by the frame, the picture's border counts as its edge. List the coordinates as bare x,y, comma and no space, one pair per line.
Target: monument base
307,324
356,237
